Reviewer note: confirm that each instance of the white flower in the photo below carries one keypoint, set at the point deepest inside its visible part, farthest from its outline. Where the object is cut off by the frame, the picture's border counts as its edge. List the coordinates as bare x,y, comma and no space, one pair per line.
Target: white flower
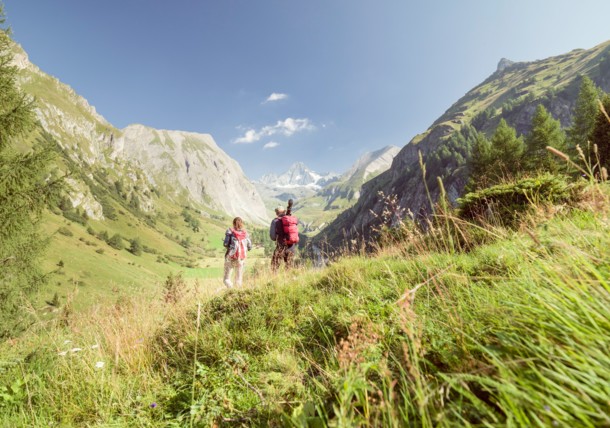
99,365
95,346
67,341
62,353
73,350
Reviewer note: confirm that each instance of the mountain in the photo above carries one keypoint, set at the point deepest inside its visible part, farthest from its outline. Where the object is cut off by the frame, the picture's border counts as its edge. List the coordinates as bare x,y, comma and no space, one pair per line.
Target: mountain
298,175
298,182
191,165
184,167
342,192
512,93
172,192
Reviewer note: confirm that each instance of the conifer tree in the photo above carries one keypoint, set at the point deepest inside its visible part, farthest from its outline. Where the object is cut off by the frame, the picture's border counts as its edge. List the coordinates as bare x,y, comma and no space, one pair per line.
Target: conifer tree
585,113
479,163
600,137
506,152
545,131
26,187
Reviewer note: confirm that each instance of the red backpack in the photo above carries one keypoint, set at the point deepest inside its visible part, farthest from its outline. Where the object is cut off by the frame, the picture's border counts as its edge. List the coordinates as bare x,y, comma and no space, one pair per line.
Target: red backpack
239,246
291,231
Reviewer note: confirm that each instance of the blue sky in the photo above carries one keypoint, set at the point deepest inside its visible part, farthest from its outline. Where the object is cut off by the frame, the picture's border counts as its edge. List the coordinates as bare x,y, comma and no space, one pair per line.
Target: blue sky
280,81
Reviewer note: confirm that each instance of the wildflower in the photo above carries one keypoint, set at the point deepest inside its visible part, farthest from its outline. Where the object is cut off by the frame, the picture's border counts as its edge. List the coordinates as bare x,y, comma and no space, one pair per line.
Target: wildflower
62,353
95,346
74,350
99,365
67,341
153,405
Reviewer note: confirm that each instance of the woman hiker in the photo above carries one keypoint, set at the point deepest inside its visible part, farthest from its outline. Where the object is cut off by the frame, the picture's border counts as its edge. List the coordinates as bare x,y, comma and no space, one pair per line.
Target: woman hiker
237,242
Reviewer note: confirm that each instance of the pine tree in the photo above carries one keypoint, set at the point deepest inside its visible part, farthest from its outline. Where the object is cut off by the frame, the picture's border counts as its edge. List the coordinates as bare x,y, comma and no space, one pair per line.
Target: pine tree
479,163
26,187
600,137
506,153
545,131
585,113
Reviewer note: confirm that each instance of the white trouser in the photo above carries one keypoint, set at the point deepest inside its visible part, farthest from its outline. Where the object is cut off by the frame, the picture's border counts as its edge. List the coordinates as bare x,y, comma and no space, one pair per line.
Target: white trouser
236,264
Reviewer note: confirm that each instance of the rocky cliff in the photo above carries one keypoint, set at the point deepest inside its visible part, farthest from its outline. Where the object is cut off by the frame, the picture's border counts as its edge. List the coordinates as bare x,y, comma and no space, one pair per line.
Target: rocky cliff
179,165
178,162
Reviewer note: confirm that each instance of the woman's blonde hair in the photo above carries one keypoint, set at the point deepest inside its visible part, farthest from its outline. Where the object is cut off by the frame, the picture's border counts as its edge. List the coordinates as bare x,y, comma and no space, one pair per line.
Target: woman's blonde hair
238,223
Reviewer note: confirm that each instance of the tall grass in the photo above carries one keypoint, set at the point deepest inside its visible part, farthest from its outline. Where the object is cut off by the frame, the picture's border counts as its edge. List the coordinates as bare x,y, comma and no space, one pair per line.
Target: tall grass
496,327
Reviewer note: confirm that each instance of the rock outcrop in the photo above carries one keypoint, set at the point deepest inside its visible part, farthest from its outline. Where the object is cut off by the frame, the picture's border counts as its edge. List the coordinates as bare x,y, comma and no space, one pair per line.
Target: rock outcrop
178,162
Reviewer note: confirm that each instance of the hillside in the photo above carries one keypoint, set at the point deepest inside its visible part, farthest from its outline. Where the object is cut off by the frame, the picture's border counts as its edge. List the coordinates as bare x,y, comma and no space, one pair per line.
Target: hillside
512,93
420,333
175,191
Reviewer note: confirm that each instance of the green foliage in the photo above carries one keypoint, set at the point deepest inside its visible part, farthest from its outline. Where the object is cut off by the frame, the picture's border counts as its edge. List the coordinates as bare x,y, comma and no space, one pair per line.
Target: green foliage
504,202
74,216
584,115
600,137
545,132
136,247
480,163
260,238
496,160
107,208
192,221
506,151
27,186
65,231
116,241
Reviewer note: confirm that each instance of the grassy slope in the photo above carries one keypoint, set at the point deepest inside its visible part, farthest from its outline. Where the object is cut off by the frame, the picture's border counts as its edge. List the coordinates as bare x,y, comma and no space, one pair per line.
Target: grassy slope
101,277
513,333
88,277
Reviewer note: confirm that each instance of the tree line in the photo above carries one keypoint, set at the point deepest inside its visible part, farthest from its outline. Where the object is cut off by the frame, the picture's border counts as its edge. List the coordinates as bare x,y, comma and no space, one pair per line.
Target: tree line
505,156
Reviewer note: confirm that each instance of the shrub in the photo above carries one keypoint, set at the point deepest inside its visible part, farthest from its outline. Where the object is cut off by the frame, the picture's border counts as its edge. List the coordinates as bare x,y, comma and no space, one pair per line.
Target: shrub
135,247
505,202
65,231
75,217
116,242
174,288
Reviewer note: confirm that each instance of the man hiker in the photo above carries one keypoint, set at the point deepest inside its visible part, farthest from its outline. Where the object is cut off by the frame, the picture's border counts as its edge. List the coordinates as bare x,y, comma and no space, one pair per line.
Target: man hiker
283,230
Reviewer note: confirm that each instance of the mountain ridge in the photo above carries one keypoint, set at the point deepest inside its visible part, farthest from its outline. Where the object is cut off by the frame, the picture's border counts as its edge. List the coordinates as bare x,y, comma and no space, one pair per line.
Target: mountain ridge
91,141
511,94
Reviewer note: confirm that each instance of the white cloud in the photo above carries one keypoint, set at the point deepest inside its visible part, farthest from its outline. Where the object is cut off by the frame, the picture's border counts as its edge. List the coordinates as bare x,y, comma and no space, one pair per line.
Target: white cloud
287,128
275,97
271,145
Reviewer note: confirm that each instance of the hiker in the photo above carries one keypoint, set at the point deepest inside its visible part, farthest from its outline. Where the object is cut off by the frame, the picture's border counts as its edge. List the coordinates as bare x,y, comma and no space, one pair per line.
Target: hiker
283,230
237,242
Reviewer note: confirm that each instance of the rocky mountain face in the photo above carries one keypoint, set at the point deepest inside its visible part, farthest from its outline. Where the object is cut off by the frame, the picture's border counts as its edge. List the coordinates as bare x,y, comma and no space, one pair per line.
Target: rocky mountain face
181,166
186,163
512,92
